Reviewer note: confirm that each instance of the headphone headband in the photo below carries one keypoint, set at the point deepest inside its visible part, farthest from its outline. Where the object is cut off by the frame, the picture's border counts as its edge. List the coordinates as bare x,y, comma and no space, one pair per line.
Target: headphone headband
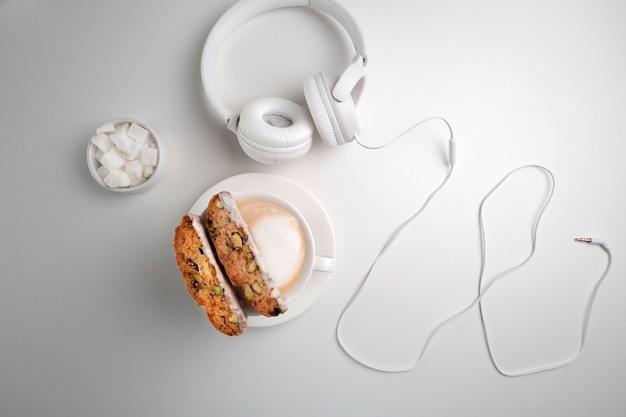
245,10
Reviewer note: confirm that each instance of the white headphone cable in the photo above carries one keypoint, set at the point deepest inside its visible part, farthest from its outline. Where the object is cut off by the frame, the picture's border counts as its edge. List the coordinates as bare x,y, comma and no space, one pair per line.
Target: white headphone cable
451,141
498,276
400,229
482,292
451,162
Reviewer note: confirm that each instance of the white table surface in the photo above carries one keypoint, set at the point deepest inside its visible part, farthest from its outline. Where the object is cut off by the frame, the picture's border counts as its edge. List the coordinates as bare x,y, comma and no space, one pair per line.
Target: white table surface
94,317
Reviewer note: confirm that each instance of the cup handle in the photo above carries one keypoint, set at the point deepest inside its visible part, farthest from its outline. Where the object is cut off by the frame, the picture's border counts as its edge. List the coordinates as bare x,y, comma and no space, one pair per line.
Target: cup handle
324,264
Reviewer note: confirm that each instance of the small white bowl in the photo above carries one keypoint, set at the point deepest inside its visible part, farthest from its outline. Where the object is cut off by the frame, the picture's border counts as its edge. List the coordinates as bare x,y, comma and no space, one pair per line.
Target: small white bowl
93,163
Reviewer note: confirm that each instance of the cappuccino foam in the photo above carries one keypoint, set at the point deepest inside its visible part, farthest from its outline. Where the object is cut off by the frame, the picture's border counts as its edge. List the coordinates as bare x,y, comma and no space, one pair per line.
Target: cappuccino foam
280,238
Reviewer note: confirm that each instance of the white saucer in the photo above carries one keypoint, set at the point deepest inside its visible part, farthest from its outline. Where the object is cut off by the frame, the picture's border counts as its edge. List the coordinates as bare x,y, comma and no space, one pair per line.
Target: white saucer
314,214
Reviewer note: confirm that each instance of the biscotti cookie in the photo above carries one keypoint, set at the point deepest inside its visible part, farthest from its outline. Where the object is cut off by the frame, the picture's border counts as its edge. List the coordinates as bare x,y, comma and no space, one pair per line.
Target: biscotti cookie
204,279
240,256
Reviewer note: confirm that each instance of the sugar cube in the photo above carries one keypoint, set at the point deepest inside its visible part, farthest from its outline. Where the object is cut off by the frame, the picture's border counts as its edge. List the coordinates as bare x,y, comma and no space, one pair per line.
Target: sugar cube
102,142
134,169
149,156
122,141
135,151
120,152
102,171
117,179
138,133
112,160
121,128
107,128
98,154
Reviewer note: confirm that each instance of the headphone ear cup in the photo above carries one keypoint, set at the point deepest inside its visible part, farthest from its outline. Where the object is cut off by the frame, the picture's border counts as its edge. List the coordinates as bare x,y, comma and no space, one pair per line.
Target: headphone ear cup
274,129
335,120
321,111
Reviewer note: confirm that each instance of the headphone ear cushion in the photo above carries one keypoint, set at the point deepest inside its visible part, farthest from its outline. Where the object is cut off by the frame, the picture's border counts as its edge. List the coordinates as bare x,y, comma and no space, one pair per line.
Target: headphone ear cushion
275,125
321,109
336,120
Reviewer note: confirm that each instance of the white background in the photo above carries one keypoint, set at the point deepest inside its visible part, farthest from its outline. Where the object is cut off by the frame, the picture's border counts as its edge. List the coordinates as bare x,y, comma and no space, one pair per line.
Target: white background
94,317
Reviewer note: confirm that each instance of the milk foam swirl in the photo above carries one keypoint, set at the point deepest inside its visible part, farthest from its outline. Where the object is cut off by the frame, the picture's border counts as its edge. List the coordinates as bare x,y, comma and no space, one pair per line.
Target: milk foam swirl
279,236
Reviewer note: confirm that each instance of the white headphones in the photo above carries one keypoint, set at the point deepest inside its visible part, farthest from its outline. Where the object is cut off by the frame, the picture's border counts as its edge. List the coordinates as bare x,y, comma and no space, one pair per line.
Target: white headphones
273,130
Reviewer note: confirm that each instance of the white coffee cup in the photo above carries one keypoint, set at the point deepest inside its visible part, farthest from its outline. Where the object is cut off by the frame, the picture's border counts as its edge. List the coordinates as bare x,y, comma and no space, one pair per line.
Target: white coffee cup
284,239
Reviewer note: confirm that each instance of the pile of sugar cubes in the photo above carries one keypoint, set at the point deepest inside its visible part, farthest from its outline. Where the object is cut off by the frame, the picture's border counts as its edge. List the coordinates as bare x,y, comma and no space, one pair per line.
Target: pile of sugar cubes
126,154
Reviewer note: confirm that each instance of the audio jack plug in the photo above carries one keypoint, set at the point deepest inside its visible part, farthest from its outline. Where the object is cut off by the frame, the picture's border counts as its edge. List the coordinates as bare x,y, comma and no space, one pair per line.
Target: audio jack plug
592,240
